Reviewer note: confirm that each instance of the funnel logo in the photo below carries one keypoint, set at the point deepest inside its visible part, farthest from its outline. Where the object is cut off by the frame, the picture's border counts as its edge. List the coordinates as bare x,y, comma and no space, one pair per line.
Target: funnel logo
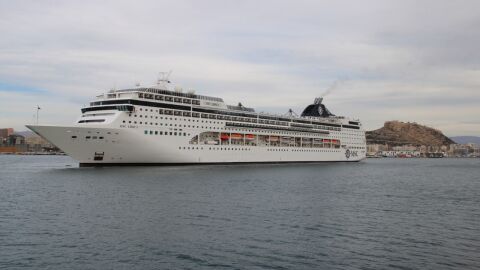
347,154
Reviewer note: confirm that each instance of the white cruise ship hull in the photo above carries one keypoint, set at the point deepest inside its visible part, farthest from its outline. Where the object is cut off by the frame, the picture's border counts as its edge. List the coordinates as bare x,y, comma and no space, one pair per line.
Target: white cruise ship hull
160,126
100,146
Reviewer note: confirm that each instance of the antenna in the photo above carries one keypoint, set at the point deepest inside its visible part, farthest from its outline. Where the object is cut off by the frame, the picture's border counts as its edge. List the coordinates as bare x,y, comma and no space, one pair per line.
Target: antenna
291,113
38,109
164,77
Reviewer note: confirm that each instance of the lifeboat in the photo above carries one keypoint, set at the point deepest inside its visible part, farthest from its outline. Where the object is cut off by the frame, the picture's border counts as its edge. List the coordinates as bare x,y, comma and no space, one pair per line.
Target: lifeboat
224,137
237,136
274,138
249,136
335,141
326,141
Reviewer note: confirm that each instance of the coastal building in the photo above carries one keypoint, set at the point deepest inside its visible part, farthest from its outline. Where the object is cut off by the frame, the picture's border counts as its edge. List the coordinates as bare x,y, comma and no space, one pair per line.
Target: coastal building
13,144
10,142
5,132
405,148
401,153
464,150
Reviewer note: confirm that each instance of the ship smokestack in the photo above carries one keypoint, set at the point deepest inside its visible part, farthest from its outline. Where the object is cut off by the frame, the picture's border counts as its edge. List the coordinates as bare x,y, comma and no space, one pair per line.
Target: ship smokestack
318,100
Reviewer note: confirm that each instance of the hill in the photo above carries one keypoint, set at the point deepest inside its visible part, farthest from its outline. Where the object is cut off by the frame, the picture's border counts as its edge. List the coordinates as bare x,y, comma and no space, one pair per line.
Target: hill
401,133
466,139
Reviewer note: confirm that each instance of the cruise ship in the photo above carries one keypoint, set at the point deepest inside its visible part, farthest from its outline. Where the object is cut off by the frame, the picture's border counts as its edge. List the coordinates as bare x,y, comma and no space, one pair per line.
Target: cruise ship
164,125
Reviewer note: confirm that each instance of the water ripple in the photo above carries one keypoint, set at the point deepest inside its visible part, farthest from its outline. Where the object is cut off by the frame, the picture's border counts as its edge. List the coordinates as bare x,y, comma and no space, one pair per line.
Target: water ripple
380,214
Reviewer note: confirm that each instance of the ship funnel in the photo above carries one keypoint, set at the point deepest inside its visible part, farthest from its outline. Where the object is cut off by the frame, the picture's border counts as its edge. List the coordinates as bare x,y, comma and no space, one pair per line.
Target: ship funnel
318,100
317,109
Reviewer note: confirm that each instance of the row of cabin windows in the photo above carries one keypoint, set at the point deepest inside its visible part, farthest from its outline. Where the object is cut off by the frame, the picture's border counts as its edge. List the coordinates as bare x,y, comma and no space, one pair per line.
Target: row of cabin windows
250,149
172,125
90,137
179,119
239,119
214,148
171,133
169,98
301,150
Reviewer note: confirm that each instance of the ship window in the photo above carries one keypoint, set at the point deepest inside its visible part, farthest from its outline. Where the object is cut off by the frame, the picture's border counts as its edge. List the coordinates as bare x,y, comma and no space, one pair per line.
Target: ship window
92,121
101,138
146,132
170,133
74,137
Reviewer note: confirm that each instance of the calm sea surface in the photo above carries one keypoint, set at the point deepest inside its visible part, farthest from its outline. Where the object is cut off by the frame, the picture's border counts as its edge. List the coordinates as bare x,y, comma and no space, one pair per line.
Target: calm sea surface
377,214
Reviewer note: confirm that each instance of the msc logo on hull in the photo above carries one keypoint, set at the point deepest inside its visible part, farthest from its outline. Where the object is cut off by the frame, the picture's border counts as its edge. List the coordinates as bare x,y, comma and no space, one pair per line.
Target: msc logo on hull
349,154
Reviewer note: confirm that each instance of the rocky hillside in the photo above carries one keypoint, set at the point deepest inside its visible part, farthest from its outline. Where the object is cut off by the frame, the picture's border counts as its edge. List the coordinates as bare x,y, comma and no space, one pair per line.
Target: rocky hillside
400,133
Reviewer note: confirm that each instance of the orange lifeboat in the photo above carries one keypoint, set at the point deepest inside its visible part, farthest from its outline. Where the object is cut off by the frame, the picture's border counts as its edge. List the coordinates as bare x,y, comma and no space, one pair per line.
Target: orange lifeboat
274,138
224,136
237,136
326,141
249,136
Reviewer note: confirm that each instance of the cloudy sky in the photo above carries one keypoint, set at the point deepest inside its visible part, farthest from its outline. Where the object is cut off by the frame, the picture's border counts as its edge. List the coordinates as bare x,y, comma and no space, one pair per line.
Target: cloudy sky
415,61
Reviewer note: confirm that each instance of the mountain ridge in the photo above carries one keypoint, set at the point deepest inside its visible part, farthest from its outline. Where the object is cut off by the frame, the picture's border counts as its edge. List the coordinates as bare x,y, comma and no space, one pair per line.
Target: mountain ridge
466,139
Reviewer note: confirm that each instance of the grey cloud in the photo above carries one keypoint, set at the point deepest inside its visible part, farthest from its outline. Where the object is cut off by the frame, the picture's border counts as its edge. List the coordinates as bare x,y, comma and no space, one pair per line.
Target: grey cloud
270,54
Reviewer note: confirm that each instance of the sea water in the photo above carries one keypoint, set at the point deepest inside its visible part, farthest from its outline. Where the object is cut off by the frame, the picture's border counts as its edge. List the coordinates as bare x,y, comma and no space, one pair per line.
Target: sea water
375,214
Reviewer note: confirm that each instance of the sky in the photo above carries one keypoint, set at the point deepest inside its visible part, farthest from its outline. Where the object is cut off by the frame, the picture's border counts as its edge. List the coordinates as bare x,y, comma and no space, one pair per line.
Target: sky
413,61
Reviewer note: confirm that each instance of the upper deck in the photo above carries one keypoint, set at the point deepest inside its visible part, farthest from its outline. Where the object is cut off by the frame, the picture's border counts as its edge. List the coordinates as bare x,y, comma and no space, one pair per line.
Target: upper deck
199,104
